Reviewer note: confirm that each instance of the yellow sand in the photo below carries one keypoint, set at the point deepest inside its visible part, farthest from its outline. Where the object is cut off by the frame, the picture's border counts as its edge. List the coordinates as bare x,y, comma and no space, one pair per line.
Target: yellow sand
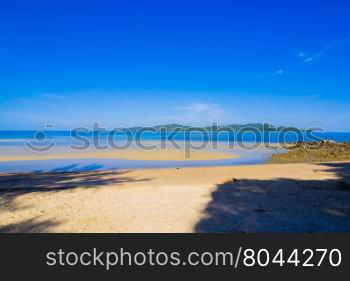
150,200
132,154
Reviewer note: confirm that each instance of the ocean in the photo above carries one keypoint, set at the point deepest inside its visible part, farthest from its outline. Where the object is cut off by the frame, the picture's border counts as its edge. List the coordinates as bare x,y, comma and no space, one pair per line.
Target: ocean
273,137
15,142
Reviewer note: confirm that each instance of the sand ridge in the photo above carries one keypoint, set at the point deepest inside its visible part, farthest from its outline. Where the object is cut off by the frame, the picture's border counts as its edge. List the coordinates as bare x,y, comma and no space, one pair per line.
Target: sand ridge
130,154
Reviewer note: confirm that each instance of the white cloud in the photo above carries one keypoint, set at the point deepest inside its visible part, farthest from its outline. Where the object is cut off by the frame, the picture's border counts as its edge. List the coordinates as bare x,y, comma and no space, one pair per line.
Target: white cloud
200,107
271,74
331,45
201,113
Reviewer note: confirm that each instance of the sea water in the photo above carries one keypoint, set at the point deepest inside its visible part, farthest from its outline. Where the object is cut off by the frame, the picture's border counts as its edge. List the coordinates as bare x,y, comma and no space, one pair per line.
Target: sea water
12,141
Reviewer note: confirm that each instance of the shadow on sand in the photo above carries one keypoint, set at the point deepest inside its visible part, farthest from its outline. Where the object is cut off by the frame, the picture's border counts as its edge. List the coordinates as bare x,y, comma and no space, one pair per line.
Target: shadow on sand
281,205
58,180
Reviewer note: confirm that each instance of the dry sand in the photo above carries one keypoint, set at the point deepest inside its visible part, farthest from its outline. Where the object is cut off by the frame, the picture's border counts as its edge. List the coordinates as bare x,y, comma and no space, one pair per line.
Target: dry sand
262,198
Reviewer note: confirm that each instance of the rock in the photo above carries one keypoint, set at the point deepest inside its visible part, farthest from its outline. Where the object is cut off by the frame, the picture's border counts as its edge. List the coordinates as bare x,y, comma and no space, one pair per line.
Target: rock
328,141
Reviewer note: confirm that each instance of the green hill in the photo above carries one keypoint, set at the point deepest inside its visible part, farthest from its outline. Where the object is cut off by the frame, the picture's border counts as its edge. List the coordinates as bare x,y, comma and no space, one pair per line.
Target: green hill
261,127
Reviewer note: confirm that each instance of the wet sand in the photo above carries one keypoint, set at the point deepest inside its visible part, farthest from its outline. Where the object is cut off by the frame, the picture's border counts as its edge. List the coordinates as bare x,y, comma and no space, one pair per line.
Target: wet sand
261,198
130,154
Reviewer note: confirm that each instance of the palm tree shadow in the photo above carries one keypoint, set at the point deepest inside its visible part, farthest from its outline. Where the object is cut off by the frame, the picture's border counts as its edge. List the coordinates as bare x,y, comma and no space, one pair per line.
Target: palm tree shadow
34,225
281,205
67,178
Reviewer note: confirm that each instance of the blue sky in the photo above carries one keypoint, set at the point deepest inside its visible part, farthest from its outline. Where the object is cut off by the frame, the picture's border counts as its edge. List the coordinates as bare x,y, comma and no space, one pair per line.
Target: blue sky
127,63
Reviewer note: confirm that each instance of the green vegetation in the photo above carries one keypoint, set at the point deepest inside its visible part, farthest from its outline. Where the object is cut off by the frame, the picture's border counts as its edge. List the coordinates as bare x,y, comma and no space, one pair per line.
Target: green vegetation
260,127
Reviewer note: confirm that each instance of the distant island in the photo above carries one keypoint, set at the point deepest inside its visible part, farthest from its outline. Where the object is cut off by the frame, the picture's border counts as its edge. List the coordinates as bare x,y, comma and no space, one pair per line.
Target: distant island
261,127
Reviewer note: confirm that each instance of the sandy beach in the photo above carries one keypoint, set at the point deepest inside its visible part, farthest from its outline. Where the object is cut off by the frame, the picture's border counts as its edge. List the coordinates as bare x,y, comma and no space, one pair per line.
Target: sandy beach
260,198
157,154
